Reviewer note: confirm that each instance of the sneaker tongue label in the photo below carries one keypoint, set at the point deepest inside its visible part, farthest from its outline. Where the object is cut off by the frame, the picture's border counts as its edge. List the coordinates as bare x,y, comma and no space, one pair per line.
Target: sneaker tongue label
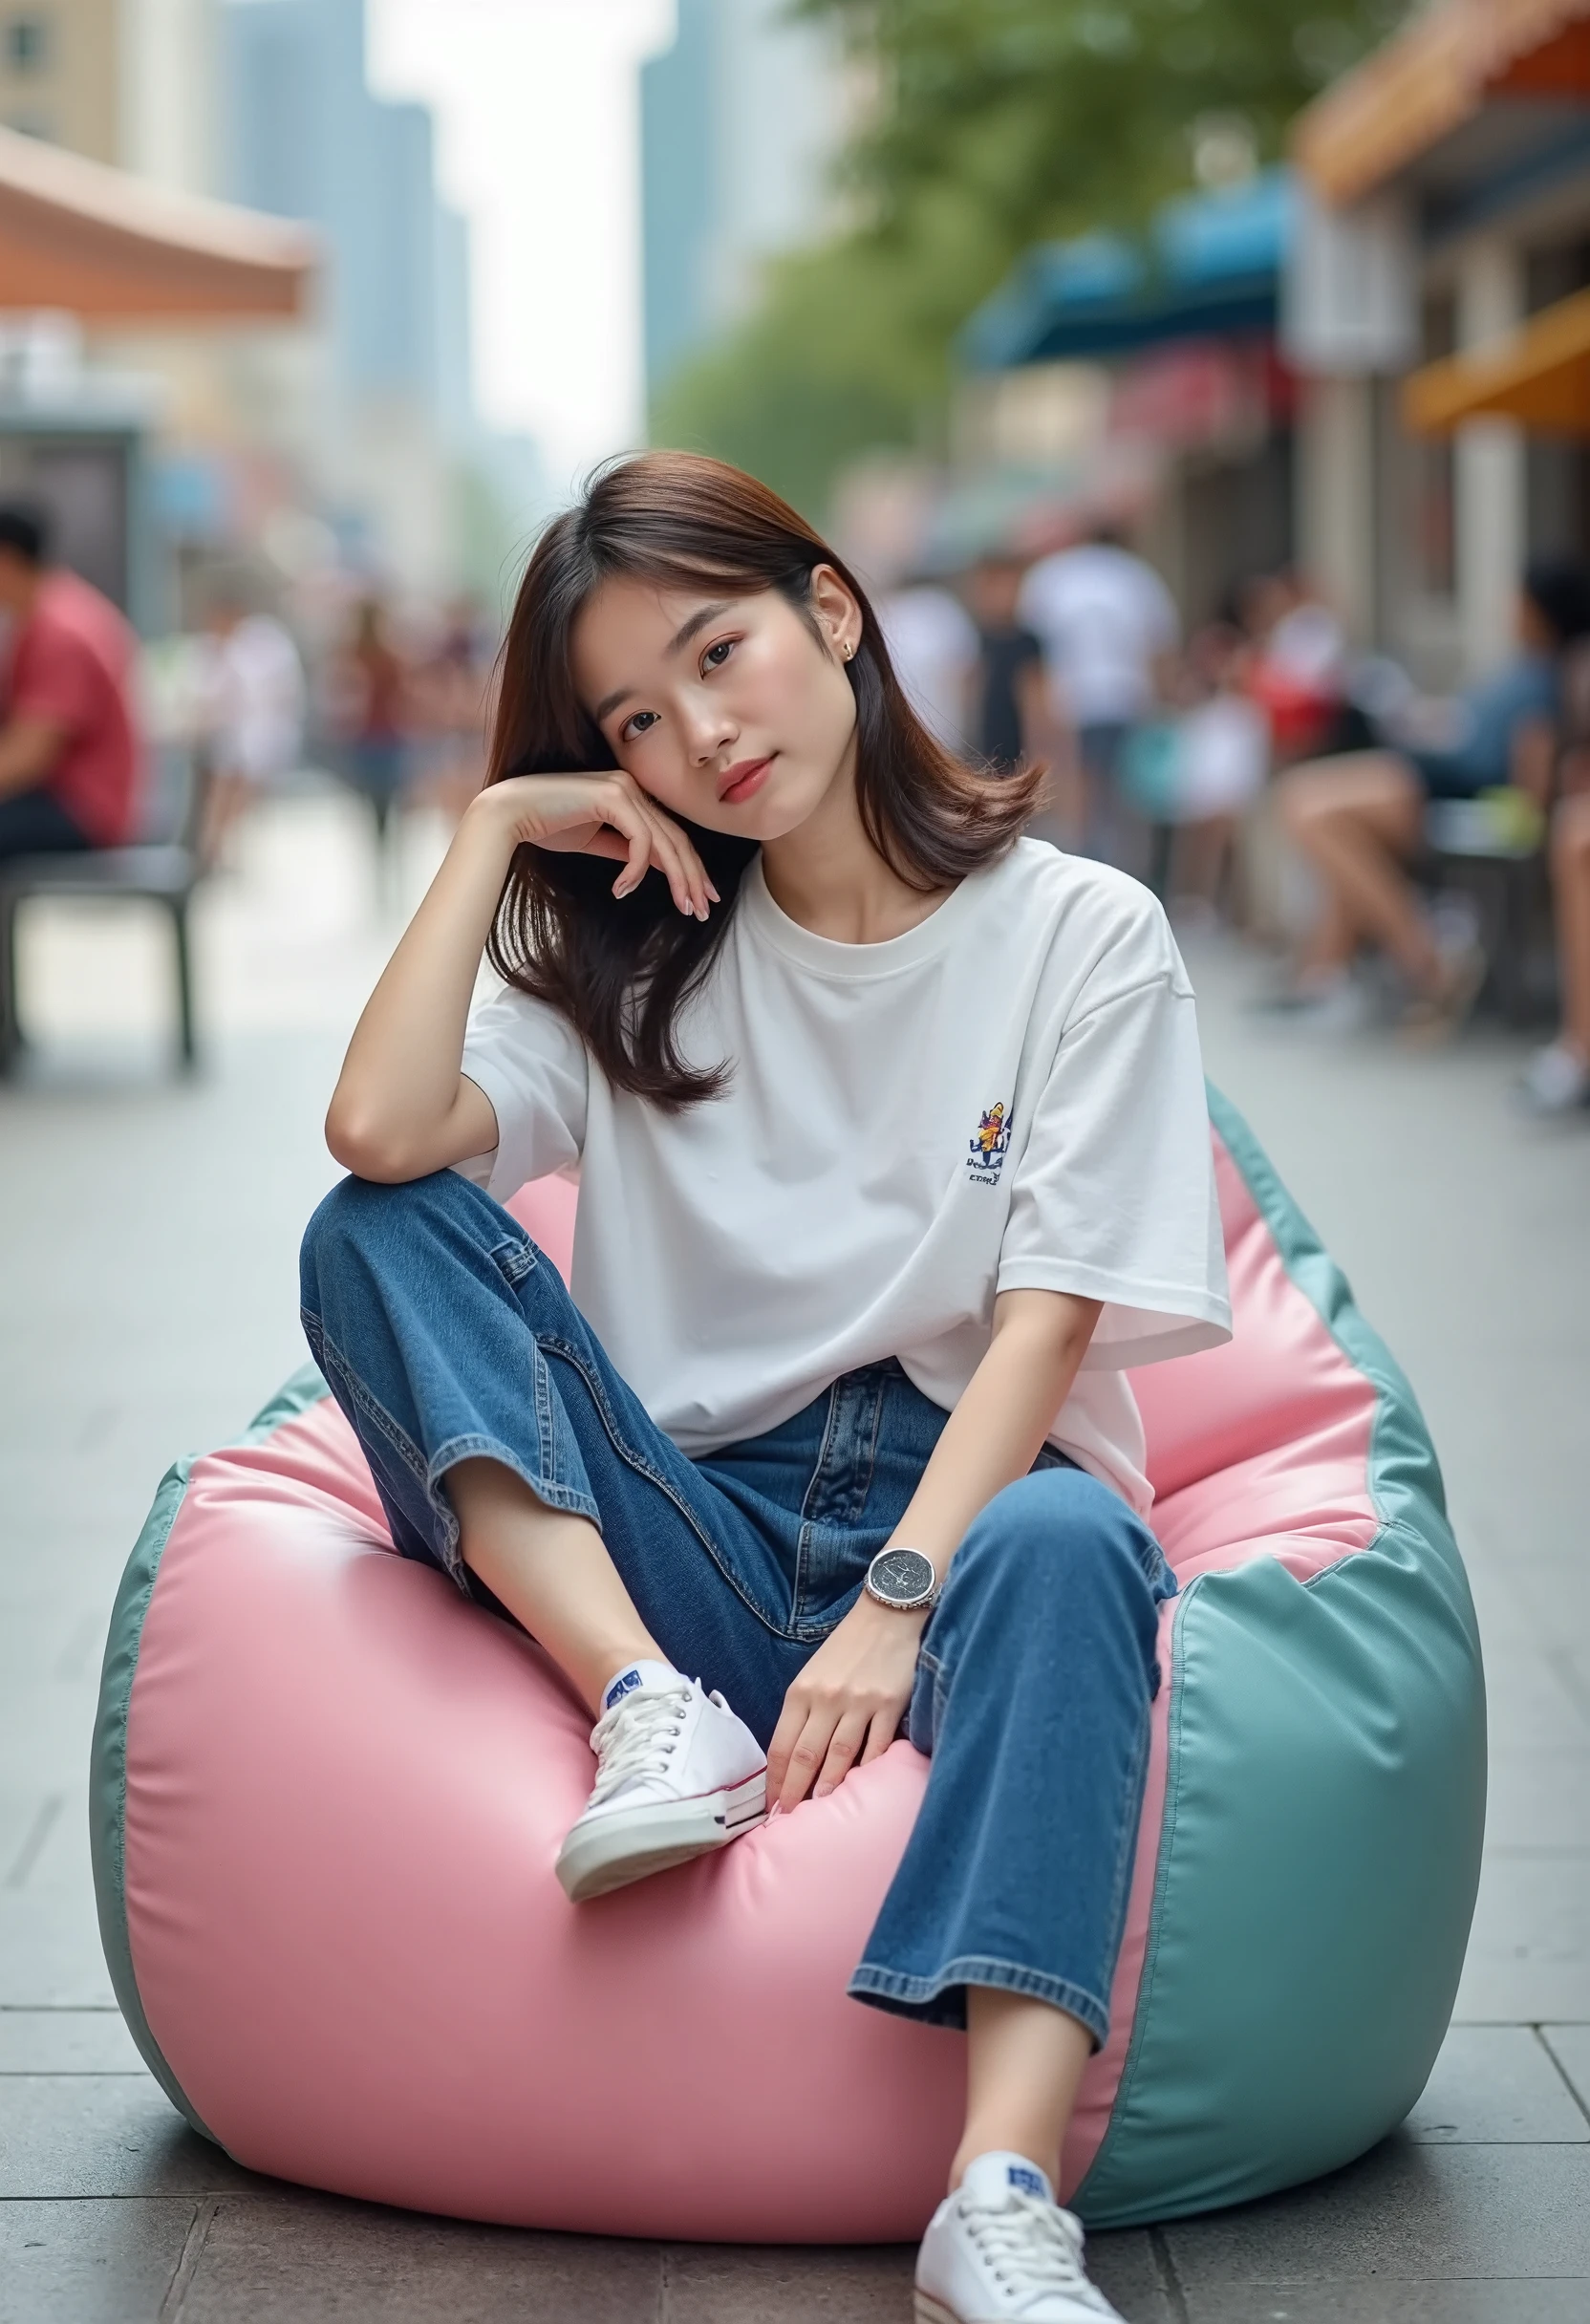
624,1683
1030,2182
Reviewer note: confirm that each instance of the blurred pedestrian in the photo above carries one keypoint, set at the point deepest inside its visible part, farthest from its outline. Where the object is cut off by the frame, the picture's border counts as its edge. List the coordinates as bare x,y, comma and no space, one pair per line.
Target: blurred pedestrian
452,685
371,712
1107,622
71,756
1359,819
253,710
933,643
1010,723
1557,1077
1196,771
1297,665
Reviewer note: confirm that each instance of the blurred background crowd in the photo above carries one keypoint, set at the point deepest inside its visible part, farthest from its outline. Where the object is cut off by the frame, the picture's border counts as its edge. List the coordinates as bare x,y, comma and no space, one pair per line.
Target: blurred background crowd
1202,386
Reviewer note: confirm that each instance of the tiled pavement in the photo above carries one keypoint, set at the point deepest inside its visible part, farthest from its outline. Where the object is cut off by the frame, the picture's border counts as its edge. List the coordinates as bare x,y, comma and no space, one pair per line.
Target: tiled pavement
146,1244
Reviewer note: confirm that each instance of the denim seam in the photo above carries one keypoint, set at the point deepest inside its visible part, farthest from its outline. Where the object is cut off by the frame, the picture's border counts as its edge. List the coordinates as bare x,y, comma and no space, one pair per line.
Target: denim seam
541,1389
848,1518
491,1448
567,1497
808,1526
878,1400
985,1969
447,1455
1168,1819
1126,1855
332,1358
643,1467
822,1457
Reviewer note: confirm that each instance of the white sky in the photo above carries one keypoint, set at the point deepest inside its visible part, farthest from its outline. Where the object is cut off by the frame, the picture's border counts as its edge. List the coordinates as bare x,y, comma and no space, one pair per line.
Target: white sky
536,104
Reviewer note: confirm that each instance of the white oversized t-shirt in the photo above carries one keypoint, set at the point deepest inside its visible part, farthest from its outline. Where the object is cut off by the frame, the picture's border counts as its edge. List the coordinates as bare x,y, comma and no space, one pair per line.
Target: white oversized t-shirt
1007,1097
1103,616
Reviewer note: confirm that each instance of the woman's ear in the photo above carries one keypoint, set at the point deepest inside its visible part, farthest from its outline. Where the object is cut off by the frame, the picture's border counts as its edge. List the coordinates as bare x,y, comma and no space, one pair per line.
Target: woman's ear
837,610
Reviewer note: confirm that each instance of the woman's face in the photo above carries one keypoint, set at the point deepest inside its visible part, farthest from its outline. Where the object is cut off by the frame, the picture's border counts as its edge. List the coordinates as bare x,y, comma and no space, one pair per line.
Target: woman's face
725,708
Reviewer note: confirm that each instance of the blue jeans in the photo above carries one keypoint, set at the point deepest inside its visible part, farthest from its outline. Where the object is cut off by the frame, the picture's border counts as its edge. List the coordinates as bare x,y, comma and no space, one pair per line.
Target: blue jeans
445,1336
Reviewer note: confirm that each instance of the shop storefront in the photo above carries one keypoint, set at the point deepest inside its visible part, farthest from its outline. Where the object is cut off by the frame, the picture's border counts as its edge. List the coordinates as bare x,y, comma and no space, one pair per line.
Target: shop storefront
1195,444
1446,187
86,247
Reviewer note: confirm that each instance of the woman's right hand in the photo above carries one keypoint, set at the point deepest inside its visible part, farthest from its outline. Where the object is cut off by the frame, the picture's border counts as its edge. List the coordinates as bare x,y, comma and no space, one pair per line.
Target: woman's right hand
601,814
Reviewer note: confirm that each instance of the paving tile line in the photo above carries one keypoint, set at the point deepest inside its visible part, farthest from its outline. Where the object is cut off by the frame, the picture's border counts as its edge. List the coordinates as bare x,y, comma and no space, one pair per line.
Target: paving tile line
1566,1668
1580,2097
76,1660
33,1841
1169,2282
199,2227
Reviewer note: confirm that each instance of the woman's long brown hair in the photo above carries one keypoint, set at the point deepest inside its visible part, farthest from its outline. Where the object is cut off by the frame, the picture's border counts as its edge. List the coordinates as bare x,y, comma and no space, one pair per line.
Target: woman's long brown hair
622,970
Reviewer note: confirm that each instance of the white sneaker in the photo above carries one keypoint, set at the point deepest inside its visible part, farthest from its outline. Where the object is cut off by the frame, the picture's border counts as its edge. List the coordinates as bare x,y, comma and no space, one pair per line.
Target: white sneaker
1001,2250
677,1774
1556,1079
1329,1005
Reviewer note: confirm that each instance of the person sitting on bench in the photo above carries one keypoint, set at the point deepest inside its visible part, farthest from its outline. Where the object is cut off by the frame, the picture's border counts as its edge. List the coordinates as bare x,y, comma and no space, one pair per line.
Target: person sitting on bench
1359,819
69,738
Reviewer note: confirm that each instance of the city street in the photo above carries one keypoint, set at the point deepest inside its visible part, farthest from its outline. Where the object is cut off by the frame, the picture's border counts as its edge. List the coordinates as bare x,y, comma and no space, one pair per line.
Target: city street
147,1254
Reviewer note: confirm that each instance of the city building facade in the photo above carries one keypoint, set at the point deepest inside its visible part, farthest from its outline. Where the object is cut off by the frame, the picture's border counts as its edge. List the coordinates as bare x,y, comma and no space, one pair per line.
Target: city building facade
739,120
1447,194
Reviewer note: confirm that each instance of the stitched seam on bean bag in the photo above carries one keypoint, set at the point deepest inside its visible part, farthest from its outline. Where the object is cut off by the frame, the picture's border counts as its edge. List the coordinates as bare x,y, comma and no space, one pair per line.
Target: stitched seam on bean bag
108,1768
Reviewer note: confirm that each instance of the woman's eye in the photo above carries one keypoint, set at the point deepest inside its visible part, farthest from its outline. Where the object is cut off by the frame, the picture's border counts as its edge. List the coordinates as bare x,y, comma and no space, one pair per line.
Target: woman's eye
637,726
717,656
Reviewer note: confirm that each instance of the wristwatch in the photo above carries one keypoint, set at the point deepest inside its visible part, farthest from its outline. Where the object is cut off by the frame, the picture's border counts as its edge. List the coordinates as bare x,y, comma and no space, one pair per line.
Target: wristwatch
903,1579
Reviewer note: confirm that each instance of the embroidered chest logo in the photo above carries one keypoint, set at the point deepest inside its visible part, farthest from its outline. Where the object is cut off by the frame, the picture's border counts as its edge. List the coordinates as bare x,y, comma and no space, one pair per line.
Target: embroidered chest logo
985,1156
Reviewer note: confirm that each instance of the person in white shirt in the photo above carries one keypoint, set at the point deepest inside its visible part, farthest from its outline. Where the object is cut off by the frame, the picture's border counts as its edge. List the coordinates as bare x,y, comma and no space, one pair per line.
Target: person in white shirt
893,1156
1106,621
254,702
933,643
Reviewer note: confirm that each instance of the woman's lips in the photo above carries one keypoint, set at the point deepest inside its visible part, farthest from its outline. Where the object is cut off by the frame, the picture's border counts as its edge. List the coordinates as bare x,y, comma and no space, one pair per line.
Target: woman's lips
745,780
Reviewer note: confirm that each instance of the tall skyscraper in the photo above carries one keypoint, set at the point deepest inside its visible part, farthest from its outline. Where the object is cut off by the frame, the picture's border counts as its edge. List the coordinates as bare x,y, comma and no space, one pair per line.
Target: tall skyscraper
738,121
303,137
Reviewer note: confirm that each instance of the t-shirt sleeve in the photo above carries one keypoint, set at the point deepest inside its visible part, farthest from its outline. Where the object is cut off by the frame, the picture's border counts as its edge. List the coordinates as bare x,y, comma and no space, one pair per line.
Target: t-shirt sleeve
1114,1196
56,677
532,1066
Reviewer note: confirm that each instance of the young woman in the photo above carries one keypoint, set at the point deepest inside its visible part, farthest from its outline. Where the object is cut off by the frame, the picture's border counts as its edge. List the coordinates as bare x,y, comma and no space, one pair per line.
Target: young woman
894,1153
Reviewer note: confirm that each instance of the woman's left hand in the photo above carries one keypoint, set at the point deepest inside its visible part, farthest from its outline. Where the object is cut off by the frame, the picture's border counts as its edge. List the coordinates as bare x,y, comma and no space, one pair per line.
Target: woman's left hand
846,1705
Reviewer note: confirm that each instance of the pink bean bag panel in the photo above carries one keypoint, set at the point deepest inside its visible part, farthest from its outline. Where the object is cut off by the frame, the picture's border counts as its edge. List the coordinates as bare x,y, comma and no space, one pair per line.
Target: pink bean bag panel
328,1796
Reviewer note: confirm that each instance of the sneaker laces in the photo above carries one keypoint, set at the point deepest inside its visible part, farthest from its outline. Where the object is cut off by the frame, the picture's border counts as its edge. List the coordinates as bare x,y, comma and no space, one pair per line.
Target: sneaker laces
1030,2245
637,1736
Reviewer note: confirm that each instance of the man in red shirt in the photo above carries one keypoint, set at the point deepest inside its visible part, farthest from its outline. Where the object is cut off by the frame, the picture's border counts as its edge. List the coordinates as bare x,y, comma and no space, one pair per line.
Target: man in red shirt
69,744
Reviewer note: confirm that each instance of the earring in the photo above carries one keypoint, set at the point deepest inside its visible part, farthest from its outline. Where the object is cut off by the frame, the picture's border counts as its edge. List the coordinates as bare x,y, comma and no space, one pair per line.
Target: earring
848,649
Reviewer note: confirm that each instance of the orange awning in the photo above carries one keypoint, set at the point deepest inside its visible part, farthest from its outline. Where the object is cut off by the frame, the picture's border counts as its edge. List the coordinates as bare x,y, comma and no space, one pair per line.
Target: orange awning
105,245
1538,375
1430,78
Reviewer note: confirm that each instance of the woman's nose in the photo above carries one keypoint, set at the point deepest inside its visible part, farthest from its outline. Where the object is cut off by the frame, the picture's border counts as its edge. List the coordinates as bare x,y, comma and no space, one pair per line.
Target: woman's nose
708,728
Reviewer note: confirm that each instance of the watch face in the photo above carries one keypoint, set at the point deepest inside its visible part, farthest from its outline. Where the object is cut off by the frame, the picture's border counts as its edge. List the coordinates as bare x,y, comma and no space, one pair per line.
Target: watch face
902,1576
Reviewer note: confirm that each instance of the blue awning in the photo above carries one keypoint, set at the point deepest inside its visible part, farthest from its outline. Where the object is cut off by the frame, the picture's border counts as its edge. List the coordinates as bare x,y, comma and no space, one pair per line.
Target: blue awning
1210,263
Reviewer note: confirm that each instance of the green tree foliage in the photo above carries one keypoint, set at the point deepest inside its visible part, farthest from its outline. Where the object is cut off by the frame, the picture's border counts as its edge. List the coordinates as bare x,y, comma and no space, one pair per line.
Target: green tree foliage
994,124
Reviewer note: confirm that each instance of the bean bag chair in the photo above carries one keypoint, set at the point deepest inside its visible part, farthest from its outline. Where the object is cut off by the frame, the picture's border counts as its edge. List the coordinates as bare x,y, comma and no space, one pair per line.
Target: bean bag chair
328,1794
